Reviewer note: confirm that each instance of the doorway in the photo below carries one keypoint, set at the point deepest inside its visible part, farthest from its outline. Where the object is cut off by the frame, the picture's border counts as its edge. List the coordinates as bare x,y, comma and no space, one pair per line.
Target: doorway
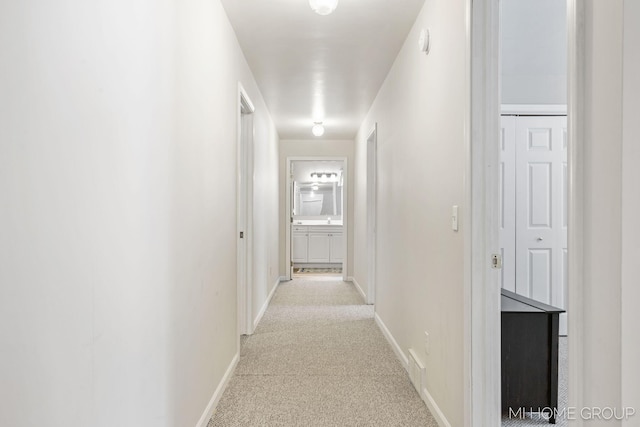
244,208
482,281
316,209
533,223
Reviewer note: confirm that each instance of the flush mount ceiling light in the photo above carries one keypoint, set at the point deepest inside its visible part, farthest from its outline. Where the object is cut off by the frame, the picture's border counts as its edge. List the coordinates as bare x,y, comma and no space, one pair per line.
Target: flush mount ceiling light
317,129
323,7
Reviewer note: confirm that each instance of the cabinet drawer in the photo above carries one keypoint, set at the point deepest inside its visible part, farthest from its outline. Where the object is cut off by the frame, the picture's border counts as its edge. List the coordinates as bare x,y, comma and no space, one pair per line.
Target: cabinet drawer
327,229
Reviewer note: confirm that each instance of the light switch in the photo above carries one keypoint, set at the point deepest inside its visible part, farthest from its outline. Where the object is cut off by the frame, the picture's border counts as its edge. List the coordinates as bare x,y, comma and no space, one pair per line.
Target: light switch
454,218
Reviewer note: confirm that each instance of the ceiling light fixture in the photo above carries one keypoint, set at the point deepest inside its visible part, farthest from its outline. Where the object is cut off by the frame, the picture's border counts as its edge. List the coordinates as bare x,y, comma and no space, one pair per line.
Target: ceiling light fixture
317,129
323,7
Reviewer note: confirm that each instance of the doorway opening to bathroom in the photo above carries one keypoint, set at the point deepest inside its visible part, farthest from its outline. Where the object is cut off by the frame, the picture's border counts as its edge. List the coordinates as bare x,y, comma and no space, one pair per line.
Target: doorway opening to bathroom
316,209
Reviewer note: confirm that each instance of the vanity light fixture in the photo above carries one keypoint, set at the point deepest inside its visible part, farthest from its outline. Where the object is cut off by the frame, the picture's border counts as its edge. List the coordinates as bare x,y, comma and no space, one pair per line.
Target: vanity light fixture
324,176
317,129
323,7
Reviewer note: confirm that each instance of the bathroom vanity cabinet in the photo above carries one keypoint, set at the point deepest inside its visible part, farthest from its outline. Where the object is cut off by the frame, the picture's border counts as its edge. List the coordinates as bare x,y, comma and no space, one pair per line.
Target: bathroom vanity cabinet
317,244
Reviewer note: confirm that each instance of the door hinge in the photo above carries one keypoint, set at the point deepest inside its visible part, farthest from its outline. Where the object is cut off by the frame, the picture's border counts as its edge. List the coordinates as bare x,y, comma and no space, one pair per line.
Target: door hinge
242,234
496,261
291,263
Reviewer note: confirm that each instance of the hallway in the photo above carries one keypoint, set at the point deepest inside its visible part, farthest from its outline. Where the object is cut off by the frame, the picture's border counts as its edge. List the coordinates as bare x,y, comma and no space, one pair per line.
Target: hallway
318,359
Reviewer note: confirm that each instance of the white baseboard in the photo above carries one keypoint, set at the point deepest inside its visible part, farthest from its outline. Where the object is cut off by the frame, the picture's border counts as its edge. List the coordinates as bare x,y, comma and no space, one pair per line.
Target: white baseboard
208,412
434,409
358,287
266,303
392,341
404,360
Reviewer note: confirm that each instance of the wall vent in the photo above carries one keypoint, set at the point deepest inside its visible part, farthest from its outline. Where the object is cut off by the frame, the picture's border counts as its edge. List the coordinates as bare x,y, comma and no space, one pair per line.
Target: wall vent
417,372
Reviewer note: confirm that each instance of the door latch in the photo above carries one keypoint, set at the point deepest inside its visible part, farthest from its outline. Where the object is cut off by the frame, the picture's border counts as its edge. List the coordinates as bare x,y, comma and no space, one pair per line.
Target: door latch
496,261
242,234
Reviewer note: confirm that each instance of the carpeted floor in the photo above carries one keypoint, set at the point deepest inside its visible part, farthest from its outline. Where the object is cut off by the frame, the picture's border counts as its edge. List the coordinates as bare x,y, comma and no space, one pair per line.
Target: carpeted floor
537,419
318,359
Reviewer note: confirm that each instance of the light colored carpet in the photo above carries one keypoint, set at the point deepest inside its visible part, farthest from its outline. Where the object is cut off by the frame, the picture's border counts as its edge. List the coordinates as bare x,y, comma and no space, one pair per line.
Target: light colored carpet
318,359
536,419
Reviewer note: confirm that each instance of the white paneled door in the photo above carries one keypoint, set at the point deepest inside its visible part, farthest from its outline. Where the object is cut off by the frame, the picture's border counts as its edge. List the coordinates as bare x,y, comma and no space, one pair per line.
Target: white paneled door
540,198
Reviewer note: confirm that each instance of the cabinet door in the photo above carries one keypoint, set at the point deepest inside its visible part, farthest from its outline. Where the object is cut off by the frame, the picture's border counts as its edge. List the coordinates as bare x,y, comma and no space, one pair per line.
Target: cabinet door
319,247
337,248
299,247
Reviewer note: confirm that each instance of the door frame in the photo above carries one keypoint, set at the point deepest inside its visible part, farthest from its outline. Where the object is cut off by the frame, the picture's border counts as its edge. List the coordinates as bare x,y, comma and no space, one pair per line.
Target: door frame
244,212
345,209
482,401
372,187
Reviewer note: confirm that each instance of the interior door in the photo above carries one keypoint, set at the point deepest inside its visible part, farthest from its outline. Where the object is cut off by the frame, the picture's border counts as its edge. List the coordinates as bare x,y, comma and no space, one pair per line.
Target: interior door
541,210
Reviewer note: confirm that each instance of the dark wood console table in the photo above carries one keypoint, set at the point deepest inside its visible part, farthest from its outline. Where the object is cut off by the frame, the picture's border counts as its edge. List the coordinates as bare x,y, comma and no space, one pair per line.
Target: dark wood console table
529,355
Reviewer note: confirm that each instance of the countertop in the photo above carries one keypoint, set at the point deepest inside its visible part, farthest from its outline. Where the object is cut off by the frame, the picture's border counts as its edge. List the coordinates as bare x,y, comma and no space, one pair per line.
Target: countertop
317,222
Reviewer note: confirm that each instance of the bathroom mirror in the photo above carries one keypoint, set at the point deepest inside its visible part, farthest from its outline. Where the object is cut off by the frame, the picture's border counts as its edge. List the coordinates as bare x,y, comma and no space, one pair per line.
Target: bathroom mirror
317,199
317,191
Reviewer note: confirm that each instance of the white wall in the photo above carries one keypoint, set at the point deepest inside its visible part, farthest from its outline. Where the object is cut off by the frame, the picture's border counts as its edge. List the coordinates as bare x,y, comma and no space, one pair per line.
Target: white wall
603,161
315,148
534,51
630,209
611,344
117,221
421,163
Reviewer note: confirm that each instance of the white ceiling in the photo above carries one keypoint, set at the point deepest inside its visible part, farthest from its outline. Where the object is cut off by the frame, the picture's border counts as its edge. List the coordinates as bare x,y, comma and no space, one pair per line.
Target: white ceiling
320,68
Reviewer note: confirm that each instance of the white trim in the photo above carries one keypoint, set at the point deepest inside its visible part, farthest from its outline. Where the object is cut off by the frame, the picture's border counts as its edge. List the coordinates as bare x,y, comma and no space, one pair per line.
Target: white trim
244,217
345,209
404,360
575,134
215,399
534,109
434,408
372,150
287,228
358,287
469,391
266,304
482,405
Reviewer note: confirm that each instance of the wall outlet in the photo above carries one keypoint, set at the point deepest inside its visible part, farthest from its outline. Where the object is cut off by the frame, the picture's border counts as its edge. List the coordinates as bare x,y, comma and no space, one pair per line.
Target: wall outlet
427,343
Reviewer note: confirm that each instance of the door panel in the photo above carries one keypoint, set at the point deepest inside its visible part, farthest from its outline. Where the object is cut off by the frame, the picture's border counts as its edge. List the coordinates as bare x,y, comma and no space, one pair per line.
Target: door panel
539,274
539,207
